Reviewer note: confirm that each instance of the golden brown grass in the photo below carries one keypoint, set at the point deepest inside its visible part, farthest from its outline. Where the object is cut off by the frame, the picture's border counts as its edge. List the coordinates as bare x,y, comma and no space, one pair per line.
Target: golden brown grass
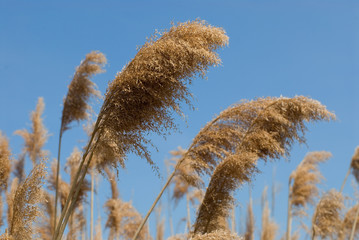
216,235
5,163
348,222
327,218
355,164
142,95
232,143
63,187
37,137
303,185
250,225
25,207
46,227
269,227
305,179
71,166
185,178
81,89
123,220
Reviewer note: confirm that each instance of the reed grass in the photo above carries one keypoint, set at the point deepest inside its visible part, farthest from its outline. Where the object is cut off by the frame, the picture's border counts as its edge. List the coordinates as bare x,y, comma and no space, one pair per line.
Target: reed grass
37,137
327,219
5,163
303,185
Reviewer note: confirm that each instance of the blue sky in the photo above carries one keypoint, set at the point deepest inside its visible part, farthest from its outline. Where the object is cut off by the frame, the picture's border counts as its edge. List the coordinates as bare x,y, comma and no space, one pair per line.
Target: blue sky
287,48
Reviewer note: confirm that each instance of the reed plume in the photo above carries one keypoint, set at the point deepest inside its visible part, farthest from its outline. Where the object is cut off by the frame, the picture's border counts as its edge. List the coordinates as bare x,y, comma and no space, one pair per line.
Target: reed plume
46,228
5,163
25,208
1,211
303,185
232,143
185,178
35,140
354,168
306,177
19,167
355,164
98,230
10,199
216,235
249,234
160,224
123,220
63,187
269,227
76,106
71,167
81,89
348,222
142,96
327,219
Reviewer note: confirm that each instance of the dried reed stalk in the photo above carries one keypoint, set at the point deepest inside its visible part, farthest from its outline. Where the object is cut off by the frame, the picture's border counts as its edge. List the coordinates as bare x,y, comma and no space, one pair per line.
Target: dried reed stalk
232,143
5,163
25,207
302,185
35,140
141,97
327,219
76,106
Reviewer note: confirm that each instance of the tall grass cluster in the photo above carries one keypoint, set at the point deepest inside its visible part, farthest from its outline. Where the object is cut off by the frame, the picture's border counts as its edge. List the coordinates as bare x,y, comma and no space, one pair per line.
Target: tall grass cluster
143,98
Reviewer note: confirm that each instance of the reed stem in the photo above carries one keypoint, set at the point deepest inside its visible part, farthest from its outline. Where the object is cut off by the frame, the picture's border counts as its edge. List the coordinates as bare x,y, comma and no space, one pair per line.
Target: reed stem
57,178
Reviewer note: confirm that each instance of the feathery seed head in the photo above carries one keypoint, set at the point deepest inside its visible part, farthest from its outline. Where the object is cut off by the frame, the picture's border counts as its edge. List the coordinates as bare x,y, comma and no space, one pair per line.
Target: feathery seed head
305,178
216,235
143,95
81,89
349,220
232,143
36,139
5,164
266,127
72,164
185,178
25,208
355,164
249,234
327,219
269,227
123,220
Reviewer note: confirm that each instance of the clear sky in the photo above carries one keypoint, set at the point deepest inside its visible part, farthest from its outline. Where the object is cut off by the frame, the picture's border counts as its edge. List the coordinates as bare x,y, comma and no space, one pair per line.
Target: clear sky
287,48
